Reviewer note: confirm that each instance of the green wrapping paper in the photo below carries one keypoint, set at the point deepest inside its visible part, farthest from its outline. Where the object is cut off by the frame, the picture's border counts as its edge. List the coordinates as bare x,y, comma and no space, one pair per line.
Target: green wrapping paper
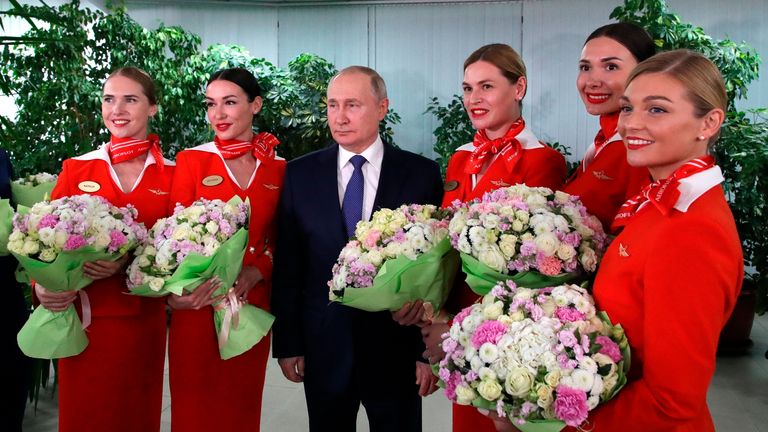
47,334
401,280
251,324
482,278
6,225
30,195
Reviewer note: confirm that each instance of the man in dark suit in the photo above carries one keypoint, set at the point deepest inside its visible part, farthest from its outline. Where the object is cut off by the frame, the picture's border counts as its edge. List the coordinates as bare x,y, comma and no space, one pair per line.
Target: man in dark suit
346,356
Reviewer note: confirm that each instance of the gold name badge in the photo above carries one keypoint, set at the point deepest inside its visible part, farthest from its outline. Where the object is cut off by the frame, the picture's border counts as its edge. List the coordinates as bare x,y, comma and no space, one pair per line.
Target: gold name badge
89,186
450,185
213,180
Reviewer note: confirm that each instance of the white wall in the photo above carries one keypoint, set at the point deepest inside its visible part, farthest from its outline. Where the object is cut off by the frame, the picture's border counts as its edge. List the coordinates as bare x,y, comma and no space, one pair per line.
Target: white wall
419,48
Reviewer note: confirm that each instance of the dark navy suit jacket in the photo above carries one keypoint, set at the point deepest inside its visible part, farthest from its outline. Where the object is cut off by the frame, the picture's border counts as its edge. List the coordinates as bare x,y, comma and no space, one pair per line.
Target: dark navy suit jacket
343,347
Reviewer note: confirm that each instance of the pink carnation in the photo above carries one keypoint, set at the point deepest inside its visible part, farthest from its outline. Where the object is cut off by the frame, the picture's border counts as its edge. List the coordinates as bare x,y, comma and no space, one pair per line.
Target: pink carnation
571,405
568,314
117,240
75,241
549,266
459,318
609,348
489,331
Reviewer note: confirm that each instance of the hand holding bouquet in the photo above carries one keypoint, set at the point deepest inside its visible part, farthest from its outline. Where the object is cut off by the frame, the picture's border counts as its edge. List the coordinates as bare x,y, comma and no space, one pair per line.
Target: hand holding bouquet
32,189
532,236
400,256
542,358
52,241
206,239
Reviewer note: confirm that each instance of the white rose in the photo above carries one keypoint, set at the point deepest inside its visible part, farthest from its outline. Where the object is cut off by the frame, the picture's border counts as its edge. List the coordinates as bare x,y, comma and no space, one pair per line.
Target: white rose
522,216
30,247
547,243
47,255
156,283
582,380
46,236
489,220
375,258
536,201
518,382
489,389
212,227
181,232
566,252
102,240
553,378
493,311
544,394
588,259
60,239
507,245
493,258
517,226
16,246
517,315
464,394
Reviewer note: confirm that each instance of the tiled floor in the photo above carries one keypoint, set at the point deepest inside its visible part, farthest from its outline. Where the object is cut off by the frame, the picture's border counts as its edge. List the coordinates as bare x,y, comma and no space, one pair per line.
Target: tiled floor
738,398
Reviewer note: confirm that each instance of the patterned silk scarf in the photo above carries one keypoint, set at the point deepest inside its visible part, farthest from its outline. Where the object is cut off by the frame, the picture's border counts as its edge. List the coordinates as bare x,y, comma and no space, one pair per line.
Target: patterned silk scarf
125,149
262,146
508,146
662,193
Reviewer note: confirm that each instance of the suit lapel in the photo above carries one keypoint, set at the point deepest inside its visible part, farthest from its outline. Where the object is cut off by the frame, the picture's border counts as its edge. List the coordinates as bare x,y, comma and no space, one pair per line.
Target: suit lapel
327,192
390,180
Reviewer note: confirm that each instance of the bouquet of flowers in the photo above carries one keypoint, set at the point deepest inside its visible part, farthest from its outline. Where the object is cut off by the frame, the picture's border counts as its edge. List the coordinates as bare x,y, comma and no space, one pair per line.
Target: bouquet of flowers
32,189
206,239
400,256
52,241
533,236
542,358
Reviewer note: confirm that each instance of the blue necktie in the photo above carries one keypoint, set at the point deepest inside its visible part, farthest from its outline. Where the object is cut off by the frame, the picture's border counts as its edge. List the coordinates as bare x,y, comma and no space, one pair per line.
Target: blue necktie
352,205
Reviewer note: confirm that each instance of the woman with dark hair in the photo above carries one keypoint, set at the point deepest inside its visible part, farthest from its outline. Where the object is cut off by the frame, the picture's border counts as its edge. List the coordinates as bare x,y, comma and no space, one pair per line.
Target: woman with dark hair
17,372
209,393
604,179
116,384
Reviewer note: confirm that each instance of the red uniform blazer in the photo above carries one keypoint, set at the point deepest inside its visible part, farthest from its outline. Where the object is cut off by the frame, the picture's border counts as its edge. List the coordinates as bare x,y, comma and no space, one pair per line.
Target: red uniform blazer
539,165
605,181
203,173
150,197
671,281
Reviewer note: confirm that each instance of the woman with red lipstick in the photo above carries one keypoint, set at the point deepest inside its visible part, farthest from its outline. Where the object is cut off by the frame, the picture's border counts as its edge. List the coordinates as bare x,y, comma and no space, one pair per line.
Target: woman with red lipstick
604,179
673,274
504,152
209,393
116,384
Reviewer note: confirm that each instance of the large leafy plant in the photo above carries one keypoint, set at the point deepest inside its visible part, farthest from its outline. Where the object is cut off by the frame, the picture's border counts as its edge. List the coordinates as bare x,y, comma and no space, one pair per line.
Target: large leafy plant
55,72
742,150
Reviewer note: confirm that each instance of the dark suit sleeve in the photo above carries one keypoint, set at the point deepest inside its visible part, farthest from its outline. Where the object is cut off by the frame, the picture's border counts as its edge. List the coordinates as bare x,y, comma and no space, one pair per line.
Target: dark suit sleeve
287,280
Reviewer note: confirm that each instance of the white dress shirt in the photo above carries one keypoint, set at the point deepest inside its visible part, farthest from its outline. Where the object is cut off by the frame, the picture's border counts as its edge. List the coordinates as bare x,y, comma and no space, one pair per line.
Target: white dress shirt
371,171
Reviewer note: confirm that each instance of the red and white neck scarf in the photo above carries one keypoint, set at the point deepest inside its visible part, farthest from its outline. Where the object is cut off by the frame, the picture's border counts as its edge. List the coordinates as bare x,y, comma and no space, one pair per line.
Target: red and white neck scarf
508,147
662,193
125,149
262,146
608,126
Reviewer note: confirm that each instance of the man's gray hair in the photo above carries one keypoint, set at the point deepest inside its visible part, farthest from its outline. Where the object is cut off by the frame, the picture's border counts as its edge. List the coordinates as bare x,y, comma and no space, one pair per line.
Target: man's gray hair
377,82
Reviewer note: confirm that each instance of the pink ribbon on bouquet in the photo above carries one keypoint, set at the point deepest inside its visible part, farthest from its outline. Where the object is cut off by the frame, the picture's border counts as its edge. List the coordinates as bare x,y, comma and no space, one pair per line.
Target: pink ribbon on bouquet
231,305
85,303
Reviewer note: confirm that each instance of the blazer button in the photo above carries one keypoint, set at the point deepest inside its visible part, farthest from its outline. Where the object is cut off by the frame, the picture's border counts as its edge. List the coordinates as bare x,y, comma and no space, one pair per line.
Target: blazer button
252,250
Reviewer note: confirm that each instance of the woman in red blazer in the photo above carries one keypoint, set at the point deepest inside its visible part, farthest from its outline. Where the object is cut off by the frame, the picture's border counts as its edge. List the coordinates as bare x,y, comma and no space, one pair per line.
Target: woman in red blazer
116,384
604,180
503,152
672,276
209,393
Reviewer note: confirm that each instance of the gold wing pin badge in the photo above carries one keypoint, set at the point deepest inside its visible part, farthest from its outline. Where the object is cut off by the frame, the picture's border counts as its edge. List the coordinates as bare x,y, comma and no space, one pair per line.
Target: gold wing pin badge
623,250
158,192
499,183
600,175
271,186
